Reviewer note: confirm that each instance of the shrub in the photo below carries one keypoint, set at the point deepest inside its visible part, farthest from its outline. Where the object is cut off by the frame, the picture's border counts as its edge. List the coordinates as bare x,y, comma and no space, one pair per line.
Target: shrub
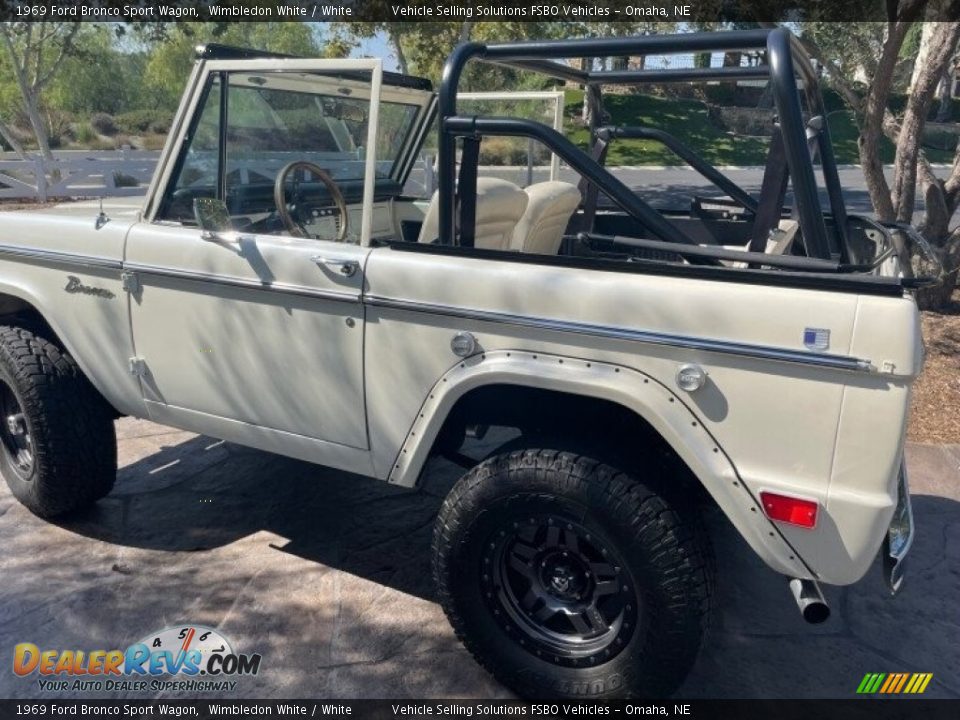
135,121
153,142
102,144
160,127
58,126
503,151
104,123
122,180
139,122
84,134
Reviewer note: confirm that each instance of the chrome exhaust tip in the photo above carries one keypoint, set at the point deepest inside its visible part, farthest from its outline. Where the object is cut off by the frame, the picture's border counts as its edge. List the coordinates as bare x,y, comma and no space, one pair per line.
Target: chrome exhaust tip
813,607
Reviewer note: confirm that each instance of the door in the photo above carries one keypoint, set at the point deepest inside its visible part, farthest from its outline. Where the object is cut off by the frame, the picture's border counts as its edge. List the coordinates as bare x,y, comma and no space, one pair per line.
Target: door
254,331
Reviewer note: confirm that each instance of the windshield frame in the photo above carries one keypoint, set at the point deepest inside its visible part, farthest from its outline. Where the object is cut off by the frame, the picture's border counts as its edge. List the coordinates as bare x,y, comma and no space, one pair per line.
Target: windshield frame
371,88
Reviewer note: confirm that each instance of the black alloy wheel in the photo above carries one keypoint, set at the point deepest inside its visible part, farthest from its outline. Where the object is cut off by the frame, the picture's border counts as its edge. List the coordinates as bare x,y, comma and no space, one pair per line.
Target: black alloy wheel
15,434
562,590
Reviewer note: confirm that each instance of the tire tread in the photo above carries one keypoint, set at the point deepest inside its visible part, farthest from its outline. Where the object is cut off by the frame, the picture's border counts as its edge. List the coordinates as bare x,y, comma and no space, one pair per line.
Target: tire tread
74,441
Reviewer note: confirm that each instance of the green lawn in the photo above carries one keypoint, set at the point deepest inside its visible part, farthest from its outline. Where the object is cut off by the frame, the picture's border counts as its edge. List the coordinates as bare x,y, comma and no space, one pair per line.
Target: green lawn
689,121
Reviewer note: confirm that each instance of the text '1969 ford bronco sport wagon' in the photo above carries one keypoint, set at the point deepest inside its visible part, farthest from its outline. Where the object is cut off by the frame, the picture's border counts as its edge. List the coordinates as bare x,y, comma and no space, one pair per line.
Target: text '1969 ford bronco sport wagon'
275,288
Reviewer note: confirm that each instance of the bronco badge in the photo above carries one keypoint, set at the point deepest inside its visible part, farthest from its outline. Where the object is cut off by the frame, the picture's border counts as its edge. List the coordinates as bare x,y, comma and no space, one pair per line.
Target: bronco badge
75,286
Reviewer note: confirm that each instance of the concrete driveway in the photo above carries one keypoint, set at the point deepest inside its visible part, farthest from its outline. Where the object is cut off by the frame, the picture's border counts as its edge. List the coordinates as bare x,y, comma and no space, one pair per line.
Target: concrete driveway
327,575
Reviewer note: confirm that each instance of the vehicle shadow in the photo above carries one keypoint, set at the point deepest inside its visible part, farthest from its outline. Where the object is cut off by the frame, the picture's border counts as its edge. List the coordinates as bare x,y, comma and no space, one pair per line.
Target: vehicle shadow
204,494
201,495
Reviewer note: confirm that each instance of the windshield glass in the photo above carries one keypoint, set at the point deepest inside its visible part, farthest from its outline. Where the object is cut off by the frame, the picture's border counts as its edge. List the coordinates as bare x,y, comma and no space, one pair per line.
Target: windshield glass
275,119
270,119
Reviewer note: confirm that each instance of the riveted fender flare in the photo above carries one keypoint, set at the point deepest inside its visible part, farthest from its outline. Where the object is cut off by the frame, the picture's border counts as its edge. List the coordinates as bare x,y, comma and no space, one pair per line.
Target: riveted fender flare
642,394
128,405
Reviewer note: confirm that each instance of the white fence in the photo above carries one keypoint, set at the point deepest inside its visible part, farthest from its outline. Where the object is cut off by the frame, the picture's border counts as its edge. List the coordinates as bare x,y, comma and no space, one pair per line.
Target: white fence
77,173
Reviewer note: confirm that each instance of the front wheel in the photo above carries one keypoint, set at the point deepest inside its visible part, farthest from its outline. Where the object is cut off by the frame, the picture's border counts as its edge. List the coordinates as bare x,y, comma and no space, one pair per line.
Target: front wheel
58,449
568,578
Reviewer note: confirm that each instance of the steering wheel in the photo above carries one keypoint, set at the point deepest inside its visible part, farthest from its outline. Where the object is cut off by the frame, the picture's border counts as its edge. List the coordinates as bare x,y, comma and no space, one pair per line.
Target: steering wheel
295,225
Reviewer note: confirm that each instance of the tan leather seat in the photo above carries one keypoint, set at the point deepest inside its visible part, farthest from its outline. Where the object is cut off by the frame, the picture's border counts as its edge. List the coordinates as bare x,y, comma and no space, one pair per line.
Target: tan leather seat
500,205
549,209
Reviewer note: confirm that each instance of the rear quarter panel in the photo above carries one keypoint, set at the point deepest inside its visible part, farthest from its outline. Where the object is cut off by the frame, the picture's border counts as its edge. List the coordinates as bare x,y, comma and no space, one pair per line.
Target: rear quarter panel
831,435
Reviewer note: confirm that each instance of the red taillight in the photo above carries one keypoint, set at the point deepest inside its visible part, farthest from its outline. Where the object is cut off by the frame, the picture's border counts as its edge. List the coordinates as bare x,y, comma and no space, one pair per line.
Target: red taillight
802,513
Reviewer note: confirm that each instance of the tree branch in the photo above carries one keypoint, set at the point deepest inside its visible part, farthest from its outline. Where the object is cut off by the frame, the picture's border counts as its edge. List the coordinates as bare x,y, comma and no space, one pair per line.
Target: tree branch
836,75
66,46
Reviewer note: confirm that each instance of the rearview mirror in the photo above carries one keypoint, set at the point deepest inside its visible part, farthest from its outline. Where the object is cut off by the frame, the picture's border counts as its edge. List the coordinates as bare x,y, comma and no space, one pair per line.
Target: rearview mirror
212,217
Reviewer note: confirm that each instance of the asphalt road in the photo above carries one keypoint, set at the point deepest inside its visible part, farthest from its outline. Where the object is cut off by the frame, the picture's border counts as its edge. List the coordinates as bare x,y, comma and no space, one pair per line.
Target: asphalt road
327,576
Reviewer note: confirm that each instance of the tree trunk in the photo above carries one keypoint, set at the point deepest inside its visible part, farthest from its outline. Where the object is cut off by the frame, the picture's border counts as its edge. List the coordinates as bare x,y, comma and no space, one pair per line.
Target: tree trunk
946,95
32,106
402,63
937,296
7,133
29,94
874,114
731,59
943,39
922,53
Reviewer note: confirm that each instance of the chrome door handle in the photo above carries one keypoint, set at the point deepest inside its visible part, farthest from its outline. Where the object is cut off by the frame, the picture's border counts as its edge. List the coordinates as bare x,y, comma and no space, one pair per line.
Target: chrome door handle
347,268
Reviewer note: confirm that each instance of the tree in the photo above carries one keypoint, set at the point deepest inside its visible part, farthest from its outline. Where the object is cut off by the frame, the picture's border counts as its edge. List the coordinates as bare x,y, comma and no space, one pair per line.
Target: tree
875,120
82,87
35,52
173,52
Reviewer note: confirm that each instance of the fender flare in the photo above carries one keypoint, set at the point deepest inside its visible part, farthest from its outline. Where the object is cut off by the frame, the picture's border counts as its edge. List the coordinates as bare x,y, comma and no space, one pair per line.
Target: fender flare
24,294
680,427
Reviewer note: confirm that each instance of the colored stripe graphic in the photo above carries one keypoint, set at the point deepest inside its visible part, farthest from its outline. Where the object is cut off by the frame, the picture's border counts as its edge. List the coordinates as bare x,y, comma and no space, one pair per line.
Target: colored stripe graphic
894,683
903,680
891,681
862,687
922,684
870,683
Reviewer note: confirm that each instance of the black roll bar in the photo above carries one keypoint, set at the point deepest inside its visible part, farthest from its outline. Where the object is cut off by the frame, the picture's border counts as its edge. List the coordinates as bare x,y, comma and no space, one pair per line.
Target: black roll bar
794,131
755,259
675,75
786,61
622,195
738,40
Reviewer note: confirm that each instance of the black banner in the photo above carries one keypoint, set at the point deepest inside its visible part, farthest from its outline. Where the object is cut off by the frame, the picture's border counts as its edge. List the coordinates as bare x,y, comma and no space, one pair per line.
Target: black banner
570,11
905,709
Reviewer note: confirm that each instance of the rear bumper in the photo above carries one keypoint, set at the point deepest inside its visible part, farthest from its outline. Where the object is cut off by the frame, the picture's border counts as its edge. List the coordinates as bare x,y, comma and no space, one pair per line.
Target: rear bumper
899,536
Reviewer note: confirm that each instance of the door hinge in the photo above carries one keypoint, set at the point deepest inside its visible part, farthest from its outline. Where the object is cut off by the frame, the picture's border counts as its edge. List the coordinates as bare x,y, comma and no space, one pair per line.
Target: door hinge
138,366
130,282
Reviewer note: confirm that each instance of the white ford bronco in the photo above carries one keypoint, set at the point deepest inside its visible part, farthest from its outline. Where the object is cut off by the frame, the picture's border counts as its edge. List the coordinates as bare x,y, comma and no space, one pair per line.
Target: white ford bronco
276,288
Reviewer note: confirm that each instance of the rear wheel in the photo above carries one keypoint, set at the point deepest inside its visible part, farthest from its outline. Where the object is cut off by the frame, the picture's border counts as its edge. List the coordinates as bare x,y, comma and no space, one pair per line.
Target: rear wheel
566,577
58,449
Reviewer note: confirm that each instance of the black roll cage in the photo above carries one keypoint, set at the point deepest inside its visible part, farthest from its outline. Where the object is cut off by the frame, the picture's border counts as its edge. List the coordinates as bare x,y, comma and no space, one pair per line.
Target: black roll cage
786,62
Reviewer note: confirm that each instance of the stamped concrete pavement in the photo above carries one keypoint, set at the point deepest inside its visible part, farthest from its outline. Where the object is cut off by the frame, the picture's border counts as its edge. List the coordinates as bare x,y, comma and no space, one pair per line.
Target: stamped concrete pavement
327,575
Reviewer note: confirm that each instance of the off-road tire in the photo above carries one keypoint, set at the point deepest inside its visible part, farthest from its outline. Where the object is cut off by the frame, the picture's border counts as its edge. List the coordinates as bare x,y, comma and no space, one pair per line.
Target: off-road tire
69,425
667,567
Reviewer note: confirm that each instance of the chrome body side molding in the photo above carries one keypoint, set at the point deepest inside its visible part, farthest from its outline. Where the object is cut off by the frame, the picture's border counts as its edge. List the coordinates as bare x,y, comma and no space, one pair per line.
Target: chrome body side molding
58,258
763,352
243,283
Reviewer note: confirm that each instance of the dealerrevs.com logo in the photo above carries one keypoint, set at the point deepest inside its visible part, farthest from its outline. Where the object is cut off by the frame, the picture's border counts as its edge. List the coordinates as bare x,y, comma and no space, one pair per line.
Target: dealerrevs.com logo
199,656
